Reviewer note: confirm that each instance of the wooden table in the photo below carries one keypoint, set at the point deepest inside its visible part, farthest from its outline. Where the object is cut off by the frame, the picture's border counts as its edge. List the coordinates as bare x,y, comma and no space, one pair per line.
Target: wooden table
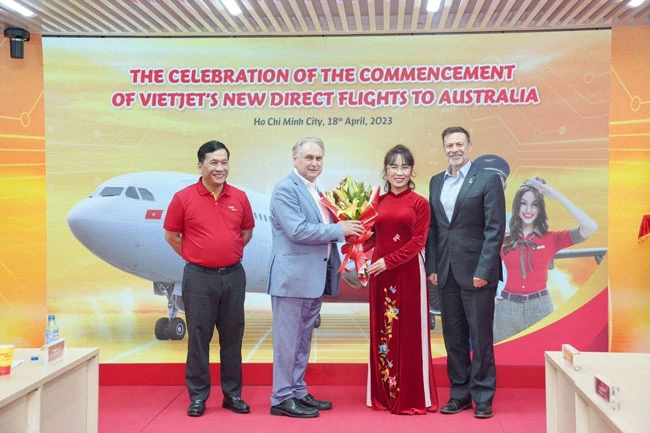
572,405
60,396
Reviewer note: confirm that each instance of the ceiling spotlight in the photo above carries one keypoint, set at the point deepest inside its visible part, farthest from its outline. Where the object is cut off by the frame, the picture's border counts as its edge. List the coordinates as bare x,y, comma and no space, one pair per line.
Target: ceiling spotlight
232,7
635,3
11,4
433,5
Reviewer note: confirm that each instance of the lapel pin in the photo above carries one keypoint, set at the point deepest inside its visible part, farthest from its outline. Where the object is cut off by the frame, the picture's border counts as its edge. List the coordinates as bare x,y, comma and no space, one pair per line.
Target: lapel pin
471,181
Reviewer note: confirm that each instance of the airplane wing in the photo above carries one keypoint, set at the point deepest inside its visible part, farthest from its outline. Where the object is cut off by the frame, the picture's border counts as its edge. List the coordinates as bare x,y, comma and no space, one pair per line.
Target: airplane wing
596,253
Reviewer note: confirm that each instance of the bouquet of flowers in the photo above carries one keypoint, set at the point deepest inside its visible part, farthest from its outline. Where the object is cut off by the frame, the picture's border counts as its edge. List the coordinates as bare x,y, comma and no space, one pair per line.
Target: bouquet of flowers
354,201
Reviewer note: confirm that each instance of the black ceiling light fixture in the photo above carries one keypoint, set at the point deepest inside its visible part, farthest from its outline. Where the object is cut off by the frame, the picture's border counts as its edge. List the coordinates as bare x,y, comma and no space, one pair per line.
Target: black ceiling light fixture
18,37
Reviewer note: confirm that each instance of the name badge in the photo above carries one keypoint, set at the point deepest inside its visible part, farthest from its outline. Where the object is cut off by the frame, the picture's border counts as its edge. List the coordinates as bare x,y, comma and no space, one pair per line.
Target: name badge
607,391
571,357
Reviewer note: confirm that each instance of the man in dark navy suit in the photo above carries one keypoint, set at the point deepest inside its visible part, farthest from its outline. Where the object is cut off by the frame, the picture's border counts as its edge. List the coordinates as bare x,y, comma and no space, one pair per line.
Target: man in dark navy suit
465,236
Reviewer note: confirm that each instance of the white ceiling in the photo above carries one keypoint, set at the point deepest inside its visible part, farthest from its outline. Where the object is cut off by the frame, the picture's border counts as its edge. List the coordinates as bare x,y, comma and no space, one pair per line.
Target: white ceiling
166,18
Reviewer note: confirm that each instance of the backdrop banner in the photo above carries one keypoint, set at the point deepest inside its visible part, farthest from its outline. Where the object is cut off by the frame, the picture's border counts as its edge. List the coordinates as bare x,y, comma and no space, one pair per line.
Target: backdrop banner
125,119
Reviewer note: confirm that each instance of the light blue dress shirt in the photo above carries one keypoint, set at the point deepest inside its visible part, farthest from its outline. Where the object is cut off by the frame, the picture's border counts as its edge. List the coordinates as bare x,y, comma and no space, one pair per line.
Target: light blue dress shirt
451,187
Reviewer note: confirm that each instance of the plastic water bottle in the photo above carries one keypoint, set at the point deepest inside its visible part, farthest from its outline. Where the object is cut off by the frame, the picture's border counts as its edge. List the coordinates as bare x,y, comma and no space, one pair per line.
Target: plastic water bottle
51,330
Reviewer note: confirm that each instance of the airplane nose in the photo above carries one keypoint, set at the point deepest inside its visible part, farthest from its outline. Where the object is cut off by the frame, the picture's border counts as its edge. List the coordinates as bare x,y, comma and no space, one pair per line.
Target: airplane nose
92,224
79,223
95,224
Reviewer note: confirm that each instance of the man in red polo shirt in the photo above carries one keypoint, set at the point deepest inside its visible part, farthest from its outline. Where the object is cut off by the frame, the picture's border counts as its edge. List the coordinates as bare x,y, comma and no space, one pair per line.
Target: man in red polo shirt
208,224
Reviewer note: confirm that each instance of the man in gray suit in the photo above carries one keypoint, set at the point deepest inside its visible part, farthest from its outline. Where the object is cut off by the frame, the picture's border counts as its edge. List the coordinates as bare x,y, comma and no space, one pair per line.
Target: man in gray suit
465,236
304,266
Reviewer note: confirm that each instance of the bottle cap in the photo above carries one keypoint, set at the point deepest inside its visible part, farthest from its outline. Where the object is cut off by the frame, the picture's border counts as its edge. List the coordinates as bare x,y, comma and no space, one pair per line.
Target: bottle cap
34,358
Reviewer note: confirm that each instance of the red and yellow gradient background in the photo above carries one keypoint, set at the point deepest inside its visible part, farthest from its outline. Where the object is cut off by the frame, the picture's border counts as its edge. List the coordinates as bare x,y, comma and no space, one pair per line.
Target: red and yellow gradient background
22,196
565,140
629,183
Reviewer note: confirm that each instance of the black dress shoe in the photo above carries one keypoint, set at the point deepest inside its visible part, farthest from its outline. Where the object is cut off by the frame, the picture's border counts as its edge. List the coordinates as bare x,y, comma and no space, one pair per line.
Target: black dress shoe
235,404
310,401
197,407
483,410
454,406
293,408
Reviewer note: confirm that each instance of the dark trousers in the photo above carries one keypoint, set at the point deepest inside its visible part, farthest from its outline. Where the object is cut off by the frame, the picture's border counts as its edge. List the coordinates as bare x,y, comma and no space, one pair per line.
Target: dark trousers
214,300
467,312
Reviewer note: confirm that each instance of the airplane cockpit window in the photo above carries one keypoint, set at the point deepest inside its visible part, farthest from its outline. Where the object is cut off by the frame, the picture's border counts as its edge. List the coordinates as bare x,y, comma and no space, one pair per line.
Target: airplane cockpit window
146,194
132,193
261,216
111,191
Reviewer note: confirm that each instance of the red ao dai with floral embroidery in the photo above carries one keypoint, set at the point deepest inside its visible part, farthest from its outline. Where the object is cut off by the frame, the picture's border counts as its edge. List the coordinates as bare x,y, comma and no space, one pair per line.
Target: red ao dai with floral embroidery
401,372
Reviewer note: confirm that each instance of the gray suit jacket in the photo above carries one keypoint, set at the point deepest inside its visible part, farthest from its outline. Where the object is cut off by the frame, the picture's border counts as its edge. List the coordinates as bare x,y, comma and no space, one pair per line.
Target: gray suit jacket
470,243
300,238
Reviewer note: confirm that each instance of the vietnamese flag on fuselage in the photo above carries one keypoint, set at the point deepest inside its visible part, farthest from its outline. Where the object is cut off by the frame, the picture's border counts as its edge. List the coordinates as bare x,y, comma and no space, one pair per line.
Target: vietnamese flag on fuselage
153,214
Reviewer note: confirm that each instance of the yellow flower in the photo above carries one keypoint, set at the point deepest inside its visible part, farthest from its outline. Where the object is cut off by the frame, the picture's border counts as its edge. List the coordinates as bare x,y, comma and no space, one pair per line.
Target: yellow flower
351,198
391,313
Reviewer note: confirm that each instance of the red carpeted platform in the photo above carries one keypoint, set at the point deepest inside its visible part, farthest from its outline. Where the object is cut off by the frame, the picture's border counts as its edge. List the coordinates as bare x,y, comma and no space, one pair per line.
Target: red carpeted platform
162,409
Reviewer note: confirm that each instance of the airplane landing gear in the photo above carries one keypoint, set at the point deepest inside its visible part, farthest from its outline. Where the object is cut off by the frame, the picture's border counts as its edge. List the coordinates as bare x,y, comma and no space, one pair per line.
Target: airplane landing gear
432,318
173,329
177,328
162,329
434,305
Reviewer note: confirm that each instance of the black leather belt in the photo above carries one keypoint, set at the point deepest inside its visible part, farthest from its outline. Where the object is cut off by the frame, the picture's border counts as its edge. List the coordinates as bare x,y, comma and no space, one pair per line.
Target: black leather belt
517,297
218,271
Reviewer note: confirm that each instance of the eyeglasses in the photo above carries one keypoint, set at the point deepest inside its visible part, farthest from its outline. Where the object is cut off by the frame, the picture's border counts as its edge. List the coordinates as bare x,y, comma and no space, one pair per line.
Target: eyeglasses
395,168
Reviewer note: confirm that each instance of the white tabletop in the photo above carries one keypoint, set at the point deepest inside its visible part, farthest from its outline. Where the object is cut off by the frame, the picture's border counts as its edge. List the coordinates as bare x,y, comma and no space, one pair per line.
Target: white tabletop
30,375
629,371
